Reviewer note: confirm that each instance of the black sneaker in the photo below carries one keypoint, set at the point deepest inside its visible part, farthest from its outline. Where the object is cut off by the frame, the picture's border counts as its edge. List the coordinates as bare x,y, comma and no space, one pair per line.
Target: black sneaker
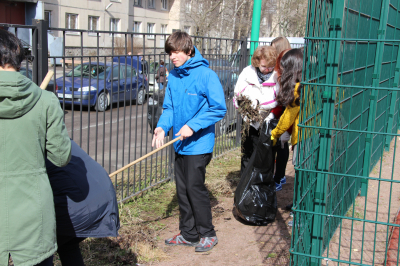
206,244
178,240
289,207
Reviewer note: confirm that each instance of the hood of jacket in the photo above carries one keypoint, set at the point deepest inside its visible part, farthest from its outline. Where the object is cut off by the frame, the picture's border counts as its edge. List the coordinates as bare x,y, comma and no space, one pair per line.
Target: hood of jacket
17,94
196,61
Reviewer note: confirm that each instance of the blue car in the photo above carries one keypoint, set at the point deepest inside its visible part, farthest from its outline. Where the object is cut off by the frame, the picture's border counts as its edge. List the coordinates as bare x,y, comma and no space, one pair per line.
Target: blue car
97,85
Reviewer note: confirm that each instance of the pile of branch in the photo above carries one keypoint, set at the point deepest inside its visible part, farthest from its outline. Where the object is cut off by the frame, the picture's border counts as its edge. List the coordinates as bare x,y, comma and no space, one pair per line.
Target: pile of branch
252,115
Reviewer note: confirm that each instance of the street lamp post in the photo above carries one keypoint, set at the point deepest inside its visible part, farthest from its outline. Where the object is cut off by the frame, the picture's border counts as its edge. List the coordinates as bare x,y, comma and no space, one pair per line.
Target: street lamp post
255,27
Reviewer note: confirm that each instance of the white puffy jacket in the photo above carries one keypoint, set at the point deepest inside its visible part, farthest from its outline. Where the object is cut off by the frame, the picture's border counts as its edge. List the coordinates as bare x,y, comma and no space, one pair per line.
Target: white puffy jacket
249,86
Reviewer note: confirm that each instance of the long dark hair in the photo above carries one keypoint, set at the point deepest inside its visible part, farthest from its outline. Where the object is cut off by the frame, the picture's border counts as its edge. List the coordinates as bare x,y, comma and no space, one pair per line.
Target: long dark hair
292,66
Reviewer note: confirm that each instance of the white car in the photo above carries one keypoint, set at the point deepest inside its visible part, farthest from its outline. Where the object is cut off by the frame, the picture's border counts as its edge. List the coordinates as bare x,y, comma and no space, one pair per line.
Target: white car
154,66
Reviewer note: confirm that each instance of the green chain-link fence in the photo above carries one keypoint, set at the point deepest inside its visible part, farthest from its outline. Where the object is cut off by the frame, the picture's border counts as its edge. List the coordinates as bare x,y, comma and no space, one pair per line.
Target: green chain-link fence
347,189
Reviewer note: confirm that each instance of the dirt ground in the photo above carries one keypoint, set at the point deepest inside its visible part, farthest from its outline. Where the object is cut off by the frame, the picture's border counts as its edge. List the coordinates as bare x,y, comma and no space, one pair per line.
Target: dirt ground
242,244
367,242
238,243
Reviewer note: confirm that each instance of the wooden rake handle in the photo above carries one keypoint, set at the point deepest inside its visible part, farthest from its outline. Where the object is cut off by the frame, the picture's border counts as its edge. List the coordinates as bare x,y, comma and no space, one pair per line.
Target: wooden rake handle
144,157
46,80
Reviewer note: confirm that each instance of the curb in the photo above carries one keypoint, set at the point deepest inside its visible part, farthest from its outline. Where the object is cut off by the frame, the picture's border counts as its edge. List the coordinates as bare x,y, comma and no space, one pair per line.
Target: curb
392,253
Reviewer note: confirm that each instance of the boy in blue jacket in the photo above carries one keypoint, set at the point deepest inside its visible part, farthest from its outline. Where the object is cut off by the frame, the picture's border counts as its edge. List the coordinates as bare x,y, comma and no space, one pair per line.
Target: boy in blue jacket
194,101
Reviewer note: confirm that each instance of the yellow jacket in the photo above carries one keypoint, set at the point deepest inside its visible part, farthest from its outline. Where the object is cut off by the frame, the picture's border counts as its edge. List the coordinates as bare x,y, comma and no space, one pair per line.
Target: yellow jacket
289,117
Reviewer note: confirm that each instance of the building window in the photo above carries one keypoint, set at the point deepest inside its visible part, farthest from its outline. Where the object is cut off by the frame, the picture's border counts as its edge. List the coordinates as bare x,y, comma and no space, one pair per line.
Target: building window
163,30
151,4
137,3
114,24
137,27
93,23
150,29
71,21
187,29
164,4
188,6
47,16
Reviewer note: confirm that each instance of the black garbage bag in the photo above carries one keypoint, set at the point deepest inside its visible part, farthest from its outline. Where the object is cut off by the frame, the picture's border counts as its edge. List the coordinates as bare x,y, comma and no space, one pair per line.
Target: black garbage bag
255,196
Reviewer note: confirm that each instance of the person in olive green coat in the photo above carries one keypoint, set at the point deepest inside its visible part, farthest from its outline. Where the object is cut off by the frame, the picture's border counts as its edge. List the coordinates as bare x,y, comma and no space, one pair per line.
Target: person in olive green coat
31,128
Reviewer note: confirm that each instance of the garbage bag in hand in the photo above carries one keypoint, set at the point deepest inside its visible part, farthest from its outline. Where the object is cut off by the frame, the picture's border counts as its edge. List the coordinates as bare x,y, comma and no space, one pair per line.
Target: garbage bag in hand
255,196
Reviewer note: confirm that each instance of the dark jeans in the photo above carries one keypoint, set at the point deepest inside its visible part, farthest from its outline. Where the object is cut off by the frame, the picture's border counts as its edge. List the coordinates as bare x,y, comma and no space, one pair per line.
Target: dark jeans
194,202
46,262
68,250
248,146
282,157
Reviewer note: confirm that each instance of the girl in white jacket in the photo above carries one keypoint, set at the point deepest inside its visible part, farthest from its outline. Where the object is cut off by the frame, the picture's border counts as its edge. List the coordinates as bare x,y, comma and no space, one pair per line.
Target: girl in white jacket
259,83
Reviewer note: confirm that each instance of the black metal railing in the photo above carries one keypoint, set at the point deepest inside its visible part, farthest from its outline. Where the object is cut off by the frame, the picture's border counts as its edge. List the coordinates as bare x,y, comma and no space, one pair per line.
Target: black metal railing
107,86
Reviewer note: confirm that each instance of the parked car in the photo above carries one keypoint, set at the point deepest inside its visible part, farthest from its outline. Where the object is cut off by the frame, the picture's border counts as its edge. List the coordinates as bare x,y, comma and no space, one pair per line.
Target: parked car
155,109
226,73
142,67
98,85
154,66
50,86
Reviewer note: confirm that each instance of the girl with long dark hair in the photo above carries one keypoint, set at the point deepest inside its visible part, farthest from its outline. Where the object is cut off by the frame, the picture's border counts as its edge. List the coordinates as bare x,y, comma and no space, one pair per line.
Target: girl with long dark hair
289,96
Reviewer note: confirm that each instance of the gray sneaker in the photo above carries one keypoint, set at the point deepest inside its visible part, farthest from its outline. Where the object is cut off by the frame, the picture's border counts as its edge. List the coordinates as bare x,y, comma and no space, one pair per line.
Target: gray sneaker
206,244
178,240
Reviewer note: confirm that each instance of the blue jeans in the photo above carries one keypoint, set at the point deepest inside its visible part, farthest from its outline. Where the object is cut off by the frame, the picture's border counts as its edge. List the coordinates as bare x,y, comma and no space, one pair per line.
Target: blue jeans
161,85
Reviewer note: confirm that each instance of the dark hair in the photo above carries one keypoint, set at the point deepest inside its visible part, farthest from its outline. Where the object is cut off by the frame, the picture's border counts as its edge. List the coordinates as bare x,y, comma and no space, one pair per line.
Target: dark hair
179,41
161,62
11,52
292,66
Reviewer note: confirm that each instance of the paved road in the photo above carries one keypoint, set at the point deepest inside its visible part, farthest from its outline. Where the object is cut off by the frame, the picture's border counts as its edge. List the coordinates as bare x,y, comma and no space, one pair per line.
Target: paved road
113,138
120,133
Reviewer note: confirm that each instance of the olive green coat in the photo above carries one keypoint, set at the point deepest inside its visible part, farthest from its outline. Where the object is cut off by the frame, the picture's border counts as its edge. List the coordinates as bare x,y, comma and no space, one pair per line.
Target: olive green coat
31,127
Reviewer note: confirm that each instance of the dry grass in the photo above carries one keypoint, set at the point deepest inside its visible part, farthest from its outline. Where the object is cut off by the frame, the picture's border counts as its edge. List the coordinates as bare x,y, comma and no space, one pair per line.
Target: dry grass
246,110
223,174
142,218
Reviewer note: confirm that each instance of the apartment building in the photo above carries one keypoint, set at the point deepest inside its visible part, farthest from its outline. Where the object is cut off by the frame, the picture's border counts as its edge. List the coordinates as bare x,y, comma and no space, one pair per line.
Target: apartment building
142,16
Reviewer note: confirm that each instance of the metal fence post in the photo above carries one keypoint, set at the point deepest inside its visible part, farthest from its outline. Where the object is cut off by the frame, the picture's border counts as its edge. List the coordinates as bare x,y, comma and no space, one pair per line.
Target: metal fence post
42,51
335,30
374,94
35,55
171,172
242,64
393,102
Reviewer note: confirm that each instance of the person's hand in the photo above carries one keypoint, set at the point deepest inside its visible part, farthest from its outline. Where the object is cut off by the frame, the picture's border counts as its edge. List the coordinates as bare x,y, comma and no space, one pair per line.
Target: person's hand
284,138
185,132
273,140
158,137
256,125
269,117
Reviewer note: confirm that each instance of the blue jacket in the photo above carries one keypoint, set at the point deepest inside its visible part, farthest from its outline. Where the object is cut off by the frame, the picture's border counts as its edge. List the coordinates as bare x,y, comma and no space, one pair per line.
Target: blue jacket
194,97
84,197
